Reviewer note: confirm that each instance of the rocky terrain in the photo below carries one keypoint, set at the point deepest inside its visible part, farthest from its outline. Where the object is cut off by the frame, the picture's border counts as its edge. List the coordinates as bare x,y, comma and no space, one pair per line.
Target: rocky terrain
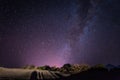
67,72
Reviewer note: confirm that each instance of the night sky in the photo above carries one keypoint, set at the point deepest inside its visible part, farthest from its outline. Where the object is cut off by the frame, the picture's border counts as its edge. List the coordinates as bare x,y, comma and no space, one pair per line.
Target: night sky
55,32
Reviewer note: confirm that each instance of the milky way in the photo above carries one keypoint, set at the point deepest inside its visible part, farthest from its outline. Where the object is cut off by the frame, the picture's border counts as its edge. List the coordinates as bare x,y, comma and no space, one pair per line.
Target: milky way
96,39
55,32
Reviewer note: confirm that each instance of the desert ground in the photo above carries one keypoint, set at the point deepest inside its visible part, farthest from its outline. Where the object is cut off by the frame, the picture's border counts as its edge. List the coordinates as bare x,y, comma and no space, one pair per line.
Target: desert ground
25,74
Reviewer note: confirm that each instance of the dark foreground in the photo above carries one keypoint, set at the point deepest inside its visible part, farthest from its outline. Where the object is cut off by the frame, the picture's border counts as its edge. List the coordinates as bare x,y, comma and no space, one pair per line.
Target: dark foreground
96,74
90,74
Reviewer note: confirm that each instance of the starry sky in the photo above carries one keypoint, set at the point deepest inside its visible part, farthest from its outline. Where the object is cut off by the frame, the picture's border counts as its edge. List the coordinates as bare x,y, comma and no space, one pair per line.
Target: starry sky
55,32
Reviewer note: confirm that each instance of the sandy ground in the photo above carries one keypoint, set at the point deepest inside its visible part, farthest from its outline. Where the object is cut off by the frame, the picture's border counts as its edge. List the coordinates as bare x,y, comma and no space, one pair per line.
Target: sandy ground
15,73
26,73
